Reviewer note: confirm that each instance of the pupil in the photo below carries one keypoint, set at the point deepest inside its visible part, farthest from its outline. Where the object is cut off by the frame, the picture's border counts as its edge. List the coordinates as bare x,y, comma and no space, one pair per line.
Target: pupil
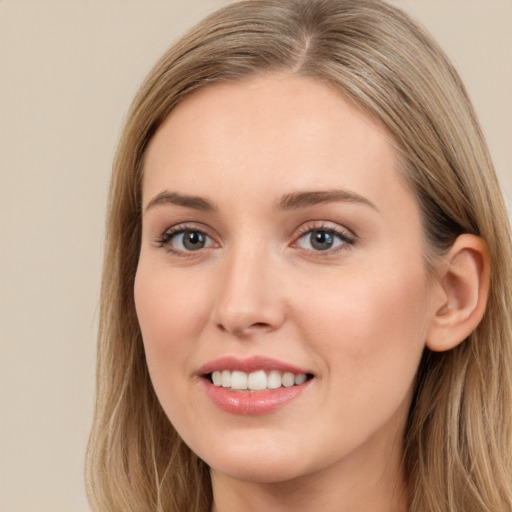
193,240
321,240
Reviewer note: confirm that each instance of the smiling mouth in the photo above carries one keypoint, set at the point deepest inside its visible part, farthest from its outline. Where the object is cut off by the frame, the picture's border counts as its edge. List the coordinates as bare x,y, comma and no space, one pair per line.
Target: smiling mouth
259,380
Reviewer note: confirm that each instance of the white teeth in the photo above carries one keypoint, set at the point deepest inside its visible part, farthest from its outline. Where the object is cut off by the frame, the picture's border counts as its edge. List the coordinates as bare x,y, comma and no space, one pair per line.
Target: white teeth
238,380
226,379
274,379
217,378
256,381
288,379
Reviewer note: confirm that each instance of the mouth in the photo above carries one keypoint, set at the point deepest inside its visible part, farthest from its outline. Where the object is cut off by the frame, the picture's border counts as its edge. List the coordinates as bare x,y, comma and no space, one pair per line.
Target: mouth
259,380
254,386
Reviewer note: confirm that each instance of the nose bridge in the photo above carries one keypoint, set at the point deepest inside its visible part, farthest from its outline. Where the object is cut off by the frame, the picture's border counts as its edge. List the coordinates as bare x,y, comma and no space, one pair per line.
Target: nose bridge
248,299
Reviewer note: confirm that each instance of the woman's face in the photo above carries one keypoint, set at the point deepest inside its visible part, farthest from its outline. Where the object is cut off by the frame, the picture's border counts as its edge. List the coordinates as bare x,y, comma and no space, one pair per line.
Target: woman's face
281,250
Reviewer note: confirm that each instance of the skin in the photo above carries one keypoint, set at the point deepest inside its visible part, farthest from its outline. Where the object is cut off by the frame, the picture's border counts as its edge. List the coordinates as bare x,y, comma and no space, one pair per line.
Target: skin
356,316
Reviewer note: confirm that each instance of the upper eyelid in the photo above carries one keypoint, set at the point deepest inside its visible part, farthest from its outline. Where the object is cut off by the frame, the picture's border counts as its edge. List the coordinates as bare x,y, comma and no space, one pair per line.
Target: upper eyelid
324,225
187,226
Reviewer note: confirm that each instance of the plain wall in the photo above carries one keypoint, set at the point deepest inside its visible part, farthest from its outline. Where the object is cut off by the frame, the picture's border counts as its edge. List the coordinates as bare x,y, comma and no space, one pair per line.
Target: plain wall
68,70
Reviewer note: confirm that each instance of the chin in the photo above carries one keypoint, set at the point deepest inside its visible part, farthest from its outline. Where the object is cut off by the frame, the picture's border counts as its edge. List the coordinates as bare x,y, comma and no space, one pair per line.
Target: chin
261,470
259,460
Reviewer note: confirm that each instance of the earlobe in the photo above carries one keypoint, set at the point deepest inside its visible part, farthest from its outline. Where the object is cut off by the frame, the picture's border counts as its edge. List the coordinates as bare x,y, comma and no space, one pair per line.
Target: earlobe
464,287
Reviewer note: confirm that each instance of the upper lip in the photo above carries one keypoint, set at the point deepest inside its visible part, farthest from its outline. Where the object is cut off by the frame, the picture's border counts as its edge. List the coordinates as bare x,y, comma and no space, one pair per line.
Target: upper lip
249,365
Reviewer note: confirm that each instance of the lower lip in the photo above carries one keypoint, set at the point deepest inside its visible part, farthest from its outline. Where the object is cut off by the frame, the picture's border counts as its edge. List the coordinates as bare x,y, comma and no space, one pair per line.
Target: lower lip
253,403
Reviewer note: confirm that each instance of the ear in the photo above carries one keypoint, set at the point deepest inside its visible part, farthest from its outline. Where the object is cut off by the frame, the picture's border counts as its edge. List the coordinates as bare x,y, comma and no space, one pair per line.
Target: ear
463,286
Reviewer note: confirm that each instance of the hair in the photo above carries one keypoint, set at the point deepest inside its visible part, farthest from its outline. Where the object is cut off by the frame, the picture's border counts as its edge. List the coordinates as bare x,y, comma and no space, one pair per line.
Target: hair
457,443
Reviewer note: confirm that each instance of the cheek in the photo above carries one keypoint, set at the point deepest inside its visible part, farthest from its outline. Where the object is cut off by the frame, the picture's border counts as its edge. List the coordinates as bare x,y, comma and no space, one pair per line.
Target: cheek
171,312
371,329
364,303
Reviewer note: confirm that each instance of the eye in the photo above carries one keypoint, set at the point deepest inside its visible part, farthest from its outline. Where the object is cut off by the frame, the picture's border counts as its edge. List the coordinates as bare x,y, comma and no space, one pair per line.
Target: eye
185,240
323,239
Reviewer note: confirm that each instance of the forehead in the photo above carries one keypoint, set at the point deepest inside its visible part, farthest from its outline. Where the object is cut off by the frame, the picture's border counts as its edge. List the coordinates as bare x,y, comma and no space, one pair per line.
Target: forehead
270,135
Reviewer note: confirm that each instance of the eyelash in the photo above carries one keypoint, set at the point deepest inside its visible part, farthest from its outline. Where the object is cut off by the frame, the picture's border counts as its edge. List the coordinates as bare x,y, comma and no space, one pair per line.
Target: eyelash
346,238
165,239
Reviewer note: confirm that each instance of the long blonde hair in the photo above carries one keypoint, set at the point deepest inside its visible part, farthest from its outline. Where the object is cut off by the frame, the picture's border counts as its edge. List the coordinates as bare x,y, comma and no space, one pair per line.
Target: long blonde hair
457,446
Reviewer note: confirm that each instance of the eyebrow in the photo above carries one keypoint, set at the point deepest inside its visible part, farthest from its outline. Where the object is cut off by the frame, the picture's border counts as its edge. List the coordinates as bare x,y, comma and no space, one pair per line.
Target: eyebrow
187,201
297,200
292,201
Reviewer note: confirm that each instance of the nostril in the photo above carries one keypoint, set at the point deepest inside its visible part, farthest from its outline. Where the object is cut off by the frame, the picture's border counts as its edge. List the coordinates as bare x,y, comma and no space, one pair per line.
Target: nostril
260,325
243,331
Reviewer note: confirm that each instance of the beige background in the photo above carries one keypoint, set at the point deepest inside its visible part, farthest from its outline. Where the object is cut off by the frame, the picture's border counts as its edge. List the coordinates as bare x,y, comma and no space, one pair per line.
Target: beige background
68,69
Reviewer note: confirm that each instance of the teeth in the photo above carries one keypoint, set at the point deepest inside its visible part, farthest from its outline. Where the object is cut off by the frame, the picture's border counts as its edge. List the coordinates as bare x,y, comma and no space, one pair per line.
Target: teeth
274,379
217,378
226,379
300,379
256,381
239,380
288,379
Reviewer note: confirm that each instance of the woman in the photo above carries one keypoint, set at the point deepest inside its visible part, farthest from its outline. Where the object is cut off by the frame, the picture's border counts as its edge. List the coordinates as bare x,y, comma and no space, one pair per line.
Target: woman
306,289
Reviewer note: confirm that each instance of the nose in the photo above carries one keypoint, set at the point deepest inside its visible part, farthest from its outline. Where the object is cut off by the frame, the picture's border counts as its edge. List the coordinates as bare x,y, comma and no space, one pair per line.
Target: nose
249,299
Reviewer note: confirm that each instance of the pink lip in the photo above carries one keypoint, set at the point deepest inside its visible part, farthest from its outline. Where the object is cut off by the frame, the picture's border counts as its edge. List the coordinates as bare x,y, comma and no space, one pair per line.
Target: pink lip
250,403
249,365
